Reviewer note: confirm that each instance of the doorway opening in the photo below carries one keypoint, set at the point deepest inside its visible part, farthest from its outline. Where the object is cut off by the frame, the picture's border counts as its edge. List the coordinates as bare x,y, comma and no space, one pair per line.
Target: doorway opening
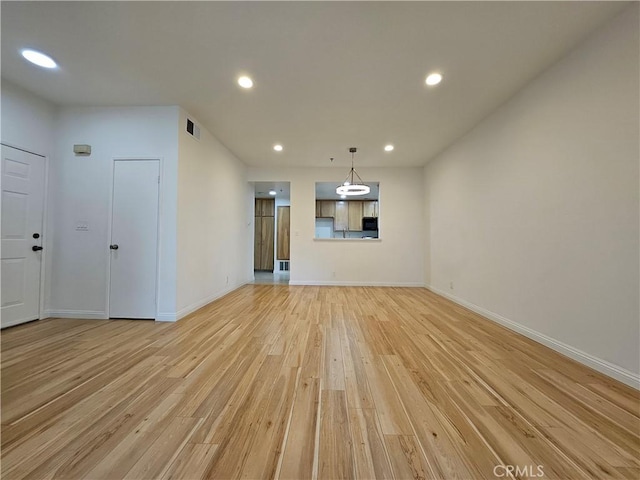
271,241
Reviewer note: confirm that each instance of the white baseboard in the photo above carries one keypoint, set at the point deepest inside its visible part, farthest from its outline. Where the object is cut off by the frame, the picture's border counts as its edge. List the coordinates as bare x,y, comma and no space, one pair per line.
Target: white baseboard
84,314
353,284
166,317
183,312
19,322
614,371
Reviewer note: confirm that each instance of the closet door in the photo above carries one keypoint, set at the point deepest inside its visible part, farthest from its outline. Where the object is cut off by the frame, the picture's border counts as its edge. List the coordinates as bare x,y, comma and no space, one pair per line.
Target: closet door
257,237
283,233
266,247
134,239
263,240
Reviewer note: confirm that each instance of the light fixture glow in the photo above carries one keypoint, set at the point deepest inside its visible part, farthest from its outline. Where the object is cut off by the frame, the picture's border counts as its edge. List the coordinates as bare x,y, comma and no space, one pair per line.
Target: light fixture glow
343,196
353,184
245,82
388,148
277,147
353,190
433,79
272,192
39,58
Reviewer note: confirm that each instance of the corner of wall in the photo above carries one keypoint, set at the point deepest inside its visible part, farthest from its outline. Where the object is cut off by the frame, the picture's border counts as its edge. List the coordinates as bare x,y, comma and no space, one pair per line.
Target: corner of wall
212,207
427,228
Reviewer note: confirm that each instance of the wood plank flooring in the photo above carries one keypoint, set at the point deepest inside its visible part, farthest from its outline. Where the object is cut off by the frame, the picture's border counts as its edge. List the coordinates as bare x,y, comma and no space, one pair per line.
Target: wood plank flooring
274,381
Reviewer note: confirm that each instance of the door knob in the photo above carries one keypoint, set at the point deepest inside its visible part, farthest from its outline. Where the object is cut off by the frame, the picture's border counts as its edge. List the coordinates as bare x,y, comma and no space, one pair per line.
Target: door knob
35,248
114,247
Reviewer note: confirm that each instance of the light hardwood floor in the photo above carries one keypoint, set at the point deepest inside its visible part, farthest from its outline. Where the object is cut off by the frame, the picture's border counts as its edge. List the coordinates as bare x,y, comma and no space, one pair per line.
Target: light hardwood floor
307,382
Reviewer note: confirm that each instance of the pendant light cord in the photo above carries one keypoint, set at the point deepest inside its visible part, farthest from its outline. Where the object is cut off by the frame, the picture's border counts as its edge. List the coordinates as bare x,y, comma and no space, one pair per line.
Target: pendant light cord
350,176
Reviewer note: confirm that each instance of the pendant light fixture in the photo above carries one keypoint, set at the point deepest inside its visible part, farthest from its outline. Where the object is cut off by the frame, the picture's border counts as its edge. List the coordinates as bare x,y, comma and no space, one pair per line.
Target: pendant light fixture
353,184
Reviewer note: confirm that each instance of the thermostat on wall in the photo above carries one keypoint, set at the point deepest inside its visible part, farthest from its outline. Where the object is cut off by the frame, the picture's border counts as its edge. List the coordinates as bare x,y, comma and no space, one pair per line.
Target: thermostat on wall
82,149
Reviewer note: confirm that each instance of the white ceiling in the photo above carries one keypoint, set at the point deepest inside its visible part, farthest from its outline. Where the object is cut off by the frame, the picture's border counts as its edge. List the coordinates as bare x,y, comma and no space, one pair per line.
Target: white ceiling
328,75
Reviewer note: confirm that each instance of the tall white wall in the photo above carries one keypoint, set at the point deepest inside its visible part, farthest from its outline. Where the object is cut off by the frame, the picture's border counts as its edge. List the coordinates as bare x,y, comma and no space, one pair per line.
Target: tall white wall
396,259
80,191
214,221
27,120
534,214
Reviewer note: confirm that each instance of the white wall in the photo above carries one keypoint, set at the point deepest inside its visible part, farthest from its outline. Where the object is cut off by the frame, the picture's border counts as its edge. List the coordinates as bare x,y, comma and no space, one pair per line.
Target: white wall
80,191
205,230
534,214
396,259
215,227
27,120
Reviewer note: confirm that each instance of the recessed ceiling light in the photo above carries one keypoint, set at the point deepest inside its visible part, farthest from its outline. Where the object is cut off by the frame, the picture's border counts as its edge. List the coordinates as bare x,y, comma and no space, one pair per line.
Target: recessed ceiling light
245,82
343,196
272,192
433,79
388,148
39,58
277,147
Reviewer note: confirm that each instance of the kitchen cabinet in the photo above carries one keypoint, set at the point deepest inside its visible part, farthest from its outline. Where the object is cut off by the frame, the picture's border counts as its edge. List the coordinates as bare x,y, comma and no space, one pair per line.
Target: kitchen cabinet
355,216
347,214
341,219
265,207
325,208
370,208
263,234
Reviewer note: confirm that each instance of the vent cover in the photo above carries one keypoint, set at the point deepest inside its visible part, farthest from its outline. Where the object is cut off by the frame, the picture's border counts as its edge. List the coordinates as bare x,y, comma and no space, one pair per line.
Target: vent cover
284,266
193,129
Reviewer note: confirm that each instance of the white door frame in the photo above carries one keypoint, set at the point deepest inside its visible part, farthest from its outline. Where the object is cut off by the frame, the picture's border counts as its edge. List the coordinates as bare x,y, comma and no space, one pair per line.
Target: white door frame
110,227
46,229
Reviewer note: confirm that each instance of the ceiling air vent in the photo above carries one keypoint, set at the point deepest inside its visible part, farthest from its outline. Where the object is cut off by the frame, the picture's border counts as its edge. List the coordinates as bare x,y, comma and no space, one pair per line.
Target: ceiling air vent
193,129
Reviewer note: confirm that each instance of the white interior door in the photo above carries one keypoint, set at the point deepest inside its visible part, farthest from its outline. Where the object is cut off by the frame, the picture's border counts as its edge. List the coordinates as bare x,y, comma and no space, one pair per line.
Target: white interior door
23,176
134,239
